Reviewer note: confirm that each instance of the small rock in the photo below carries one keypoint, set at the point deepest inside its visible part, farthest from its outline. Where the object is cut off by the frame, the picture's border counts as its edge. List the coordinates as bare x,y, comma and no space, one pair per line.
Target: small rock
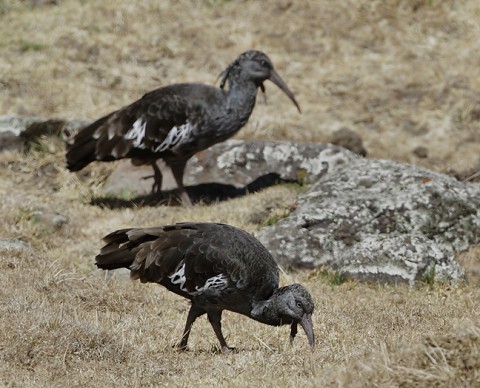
10,142
421,152
13,244
350,140
49,219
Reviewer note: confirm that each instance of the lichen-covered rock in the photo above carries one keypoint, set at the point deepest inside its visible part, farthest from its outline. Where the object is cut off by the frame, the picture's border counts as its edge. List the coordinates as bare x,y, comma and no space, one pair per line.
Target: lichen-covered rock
377,219
239,163
29,128
13,244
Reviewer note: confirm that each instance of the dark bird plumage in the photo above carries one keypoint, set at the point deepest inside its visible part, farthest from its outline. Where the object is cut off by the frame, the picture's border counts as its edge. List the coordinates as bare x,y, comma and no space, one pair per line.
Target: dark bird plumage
216,266
176,121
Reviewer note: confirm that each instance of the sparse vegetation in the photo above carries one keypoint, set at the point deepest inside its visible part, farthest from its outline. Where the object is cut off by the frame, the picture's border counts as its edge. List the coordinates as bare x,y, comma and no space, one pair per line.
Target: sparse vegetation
400,73
328,276
429,275
276,215
30,46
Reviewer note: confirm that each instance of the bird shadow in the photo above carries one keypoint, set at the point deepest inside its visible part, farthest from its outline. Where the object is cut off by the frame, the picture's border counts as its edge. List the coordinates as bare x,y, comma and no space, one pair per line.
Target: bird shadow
205,193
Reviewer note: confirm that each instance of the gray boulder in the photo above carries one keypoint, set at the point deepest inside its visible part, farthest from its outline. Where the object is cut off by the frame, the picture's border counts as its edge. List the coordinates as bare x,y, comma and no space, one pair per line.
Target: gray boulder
377,219
17,132
239,164
371,219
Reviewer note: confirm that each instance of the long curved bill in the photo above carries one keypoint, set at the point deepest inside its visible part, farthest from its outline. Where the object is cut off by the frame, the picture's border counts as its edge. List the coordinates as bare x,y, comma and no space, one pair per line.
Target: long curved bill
307,326
277,80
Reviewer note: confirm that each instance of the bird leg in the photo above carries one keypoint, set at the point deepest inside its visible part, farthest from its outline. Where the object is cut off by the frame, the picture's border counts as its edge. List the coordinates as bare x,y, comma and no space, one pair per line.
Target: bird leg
157,179
293,332
177,170
193,314
214,318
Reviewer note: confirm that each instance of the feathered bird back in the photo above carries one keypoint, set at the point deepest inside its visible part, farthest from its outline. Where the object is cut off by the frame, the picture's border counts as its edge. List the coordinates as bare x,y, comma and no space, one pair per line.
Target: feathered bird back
206,249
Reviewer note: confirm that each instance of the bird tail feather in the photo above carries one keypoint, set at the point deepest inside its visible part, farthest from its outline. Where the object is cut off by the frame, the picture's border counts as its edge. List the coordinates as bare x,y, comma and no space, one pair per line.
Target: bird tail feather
117,253
82,148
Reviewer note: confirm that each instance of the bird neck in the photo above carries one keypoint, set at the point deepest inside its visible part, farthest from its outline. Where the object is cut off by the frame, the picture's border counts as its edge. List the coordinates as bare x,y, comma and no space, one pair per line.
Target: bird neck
270,311
241,98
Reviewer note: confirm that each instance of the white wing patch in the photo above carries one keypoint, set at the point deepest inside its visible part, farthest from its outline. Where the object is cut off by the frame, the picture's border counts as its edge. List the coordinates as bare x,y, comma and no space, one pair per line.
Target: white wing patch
137,133
178,277
176,137
217,282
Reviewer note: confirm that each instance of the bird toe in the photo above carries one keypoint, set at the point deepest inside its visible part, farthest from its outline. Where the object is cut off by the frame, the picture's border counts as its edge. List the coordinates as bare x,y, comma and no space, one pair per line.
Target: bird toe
180,347
228,349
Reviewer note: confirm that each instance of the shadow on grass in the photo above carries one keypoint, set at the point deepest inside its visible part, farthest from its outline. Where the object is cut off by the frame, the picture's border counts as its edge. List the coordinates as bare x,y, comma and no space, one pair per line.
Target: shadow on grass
205,193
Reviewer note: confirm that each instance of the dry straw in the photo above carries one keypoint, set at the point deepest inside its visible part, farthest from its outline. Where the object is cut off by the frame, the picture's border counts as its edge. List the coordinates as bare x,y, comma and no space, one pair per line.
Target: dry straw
401,73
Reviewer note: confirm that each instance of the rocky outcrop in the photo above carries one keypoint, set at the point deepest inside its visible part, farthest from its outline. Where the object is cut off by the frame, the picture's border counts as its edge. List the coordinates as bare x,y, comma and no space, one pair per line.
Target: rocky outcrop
371,219
377,219
243,165
18,132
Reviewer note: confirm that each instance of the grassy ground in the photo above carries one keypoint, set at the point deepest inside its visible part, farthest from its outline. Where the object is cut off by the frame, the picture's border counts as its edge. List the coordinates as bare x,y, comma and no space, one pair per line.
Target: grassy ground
401,73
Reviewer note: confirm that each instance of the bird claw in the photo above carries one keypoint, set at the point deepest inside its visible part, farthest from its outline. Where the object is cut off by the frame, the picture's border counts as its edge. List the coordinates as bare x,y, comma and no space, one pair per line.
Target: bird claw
228,349
180,347
156,189
291,340
156,186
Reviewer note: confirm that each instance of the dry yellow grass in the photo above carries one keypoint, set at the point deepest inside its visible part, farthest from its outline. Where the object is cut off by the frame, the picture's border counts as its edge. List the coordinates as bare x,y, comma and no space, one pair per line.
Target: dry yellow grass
62,323
401,73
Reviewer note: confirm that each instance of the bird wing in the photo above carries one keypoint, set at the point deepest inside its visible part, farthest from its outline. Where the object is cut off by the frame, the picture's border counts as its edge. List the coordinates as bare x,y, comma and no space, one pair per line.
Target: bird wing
144,125
151,125
201,254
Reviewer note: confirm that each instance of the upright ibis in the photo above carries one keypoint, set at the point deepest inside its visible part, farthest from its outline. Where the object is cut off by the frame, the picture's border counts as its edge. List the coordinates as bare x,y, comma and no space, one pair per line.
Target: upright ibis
174,122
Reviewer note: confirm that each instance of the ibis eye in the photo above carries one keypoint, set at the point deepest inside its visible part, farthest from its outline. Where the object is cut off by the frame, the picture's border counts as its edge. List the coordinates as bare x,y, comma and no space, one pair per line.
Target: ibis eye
264,63
299,305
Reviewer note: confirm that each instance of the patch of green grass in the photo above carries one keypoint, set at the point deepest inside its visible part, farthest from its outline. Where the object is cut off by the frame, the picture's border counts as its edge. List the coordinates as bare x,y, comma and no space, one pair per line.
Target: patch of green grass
41,149
428,276
25,46
44,145
430,279
272,219
299,186
24,214
329,276
302,177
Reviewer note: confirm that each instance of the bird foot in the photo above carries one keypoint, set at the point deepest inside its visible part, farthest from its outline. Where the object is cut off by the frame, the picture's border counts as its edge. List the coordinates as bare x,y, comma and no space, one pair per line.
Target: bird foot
156,186
185,199
228,349
156,189
179,346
